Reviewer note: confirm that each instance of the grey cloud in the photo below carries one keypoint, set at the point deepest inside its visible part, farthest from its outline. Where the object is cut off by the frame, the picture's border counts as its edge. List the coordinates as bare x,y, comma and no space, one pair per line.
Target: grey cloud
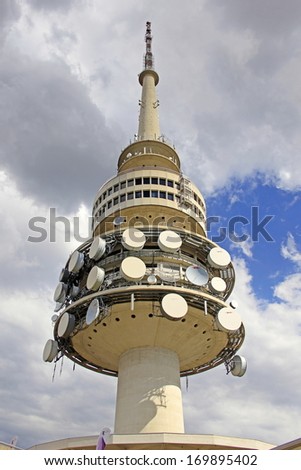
54,5
250,98
263,16
10,12
55,409
55,141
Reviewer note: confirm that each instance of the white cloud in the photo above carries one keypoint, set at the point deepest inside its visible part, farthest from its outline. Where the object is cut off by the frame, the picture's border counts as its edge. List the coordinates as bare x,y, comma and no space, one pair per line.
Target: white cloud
244,246
289,250
289,291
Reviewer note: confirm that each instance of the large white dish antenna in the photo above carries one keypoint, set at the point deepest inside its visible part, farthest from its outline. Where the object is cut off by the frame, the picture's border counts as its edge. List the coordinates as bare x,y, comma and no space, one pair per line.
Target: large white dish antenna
228,319
76,262
97,248
133,239
66,325
92,312
169,241
197,275
60,293
217,285
50,350
219,258
133,269
95,278
238,366
174,306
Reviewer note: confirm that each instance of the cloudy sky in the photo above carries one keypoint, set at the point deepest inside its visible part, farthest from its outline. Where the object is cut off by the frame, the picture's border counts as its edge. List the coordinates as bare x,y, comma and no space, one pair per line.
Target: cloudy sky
230,100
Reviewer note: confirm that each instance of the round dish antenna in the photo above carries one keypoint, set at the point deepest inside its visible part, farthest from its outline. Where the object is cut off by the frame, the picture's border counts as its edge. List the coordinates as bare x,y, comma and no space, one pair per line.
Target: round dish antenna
58,307
95,278
217,285
92,312
219,258
238,366
132,269
197,275
76,262
50,350
74,290
152,279
133,239
66,325
60,293
174,306
169,241
97,248
64,276
228,319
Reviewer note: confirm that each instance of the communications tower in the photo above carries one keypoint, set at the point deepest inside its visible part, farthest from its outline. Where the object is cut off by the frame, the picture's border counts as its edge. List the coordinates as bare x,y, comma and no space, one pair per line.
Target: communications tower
145,299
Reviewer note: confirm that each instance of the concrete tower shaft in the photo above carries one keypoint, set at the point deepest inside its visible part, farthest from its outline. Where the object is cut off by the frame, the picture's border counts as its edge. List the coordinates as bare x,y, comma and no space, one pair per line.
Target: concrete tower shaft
149,128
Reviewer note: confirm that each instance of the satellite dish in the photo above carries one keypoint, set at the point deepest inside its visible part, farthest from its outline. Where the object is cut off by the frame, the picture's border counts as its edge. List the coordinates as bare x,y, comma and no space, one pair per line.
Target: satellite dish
217,285
60,293
66,325
151,279
132,269
76,262
197,275
133,239
54,318
238,366
64,276
119,220
58,306
174,306
219,258
92,312
97,248
228,319
95,278
74,290
234,304
50,350
169,241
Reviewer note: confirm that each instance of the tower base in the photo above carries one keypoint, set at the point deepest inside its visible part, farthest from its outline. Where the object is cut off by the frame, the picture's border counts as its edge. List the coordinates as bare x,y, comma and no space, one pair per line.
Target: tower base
169,441
164,441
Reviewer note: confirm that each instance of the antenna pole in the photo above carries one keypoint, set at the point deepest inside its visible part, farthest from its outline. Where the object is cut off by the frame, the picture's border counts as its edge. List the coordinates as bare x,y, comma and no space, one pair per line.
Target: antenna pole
148,58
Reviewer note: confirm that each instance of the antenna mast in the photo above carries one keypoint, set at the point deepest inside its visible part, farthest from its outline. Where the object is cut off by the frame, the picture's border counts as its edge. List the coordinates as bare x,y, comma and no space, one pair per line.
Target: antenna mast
148,57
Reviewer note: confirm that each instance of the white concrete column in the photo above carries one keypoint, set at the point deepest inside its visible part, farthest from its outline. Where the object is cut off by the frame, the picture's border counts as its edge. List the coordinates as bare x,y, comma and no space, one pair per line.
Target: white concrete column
149,127
149,397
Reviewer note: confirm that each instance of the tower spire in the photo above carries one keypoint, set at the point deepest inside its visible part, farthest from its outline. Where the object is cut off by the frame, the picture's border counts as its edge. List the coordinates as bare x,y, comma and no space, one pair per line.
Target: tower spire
148,58
149,127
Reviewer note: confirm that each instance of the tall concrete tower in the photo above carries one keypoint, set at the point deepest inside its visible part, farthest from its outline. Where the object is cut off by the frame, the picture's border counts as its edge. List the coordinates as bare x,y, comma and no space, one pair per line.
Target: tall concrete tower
145,299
